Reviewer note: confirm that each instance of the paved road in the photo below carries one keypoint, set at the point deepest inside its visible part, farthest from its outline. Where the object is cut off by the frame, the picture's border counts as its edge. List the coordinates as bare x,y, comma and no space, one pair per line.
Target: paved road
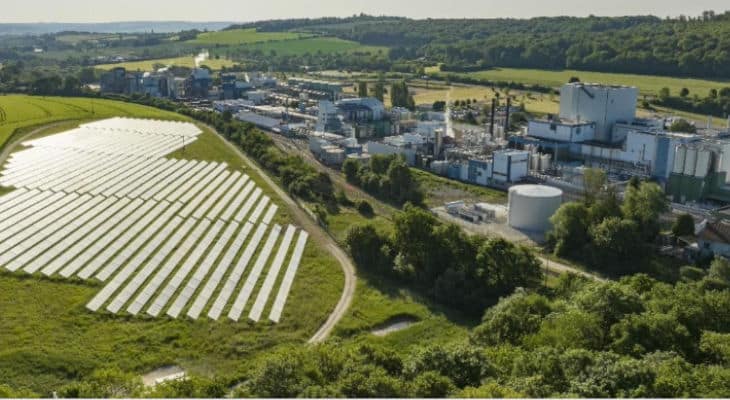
320,236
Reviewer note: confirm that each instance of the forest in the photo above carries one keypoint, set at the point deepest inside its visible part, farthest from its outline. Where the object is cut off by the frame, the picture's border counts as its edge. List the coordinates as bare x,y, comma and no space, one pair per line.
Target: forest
684,46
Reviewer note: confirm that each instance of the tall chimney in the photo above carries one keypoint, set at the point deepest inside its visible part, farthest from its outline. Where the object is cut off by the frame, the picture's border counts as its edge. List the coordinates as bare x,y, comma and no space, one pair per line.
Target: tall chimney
506,116
494,111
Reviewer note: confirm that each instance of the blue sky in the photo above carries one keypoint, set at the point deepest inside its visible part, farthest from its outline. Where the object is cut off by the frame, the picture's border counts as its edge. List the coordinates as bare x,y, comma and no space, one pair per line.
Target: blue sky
247,10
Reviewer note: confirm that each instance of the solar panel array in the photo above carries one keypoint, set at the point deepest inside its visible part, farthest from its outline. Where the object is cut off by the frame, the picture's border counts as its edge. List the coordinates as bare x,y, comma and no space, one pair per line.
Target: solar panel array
167,236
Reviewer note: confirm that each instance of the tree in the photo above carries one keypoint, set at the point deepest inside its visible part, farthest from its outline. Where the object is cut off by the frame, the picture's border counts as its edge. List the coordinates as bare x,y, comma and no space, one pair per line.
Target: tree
439,105
511,319
594,181
351,169
110,382
684,92
281,375
664,94
573,79
364,208
369,248
380,88
227,116
684,225
643,205
569,233
432,385
682,125
569,329
648,332
464,365
617,243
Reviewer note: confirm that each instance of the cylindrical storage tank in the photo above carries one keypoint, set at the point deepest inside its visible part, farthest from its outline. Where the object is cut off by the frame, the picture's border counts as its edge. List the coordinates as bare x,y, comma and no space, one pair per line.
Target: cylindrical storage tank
545,162
531,206
679,156
690,161
703,163
535,161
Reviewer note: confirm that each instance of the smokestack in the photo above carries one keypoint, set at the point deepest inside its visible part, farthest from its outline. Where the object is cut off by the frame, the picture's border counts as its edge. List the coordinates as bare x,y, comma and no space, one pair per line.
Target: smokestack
506,117
494,111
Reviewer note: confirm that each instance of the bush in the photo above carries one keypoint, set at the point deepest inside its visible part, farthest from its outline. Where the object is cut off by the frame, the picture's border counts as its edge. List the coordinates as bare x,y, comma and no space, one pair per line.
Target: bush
364,208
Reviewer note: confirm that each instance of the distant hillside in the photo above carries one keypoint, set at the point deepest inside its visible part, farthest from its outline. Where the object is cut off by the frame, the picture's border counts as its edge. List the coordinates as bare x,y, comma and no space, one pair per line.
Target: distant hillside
109,27
685,46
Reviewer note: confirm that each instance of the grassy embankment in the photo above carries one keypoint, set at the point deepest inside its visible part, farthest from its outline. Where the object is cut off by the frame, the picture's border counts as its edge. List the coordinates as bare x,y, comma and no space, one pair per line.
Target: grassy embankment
49,338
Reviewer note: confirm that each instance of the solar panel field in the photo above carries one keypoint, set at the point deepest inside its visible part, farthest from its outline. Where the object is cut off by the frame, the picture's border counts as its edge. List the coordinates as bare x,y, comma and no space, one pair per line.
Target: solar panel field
115,249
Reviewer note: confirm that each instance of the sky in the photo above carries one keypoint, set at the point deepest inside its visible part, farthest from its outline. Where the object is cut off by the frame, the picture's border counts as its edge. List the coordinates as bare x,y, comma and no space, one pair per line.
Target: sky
247,10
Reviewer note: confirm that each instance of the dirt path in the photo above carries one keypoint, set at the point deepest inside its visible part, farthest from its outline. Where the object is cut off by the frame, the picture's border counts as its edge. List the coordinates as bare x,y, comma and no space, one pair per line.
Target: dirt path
320,236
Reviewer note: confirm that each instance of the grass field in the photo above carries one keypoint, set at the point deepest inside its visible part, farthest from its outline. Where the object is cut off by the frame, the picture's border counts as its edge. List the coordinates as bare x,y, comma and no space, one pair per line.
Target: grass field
439,190
647,84
24,112
149,65
241,36
325,45
49,339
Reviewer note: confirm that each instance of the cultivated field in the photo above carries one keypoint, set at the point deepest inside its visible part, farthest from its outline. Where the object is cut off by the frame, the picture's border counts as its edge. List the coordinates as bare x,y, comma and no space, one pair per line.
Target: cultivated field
149,65
325,45
648,84
241,36
51,336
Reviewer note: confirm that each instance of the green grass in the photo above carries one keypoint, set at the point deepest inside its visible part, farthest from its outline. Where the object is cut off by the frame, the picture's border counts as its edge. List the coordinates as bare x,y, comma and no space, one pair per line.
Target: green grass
241,36
149,65
25,112
439,190
325,45
379,301
49,339
647,84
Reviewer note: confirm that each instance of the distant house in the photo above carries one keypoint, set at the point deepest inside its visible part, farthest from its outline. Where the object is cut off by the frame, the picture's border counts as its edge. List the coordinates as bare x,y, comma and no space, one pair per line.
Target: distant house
714,237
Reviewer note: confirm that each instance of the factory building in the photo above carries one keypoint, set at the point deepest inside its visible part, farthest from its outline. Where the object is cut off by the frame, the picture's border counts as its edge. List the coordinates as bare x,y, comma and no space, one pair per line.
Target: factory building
602,105
359,117
504,167
316,89
700,172
198,84
155,84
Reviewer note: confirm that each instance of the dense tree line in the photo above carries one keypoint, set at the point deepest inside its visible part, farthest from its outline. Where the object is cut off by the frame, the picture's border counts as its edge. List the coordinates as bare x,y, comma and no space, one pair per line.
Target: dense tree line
648,45
386,177
465,272
633,338
604,232
716,102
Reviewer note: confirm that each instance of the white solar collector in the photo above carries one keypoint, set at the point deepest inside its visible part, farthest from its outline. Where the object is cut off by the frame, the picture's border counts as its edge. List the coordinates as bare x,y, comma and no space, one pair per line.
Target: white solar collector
247,206
119,237
270,214
156,308
217,196
147,246
256,214
27,225
225,294
202,271
237,201
226,199
149,267
263,296
114,233
185,269
195,204
145,234
82,238
194,190
288,280
248,286
144,295
226,262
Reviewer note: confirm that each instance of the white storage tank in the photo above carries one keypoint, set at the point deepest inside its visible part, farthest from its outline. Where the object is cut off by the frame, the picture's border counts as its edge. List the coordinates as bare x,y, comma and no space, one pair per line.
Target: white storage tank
690,162
703,163
679,157
545,162
535,161
531,206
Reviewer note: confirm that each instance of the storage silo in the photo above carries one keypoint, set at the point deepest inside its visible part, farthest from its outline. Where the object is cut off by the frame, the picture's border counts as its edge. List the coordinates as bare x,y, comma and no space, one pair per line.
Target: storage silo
690,162
703,163
545,162
535,161
531,206
679,156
